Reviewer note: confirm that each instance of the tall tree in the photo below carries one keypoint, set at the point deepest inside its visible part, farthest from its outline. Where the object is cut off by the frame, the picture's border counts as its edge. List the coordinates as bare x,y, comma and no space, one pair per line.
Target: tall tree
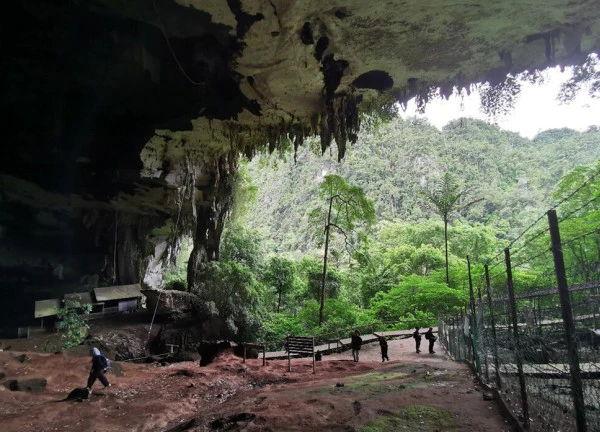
346,208
445,194
280,274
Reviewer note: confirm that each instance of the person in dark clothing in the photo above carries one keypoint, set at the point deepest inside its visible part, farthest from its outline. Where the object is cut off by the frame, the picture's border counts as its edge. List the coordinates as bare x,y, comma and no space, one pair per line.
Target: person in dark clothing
98,370
431,338
417,337
384,348
355,344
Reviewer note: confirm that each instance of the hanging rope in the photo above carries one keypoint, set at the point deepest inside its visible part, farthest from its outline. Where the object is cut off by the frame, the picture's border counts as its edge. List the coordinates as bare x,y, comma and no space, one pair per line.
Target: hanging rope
114,278
164,32
153,316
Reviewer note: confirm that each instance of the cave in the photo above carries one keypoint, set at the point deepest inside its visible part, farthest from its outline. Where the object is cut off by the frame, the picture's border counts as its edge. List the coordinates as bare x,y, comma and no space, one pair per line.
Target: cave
125,121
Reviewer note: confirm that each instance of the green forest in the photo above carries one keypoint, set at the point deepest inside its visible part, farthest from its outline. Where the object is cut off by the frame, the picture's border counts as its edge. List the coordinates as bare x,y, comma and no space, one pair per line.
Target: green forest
398,218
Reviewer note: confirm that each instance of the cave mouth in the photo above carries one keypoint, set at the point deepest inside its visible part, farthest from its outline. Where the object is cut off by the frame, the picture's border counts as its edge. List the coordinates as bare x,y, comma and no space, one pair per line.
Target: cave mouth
375,79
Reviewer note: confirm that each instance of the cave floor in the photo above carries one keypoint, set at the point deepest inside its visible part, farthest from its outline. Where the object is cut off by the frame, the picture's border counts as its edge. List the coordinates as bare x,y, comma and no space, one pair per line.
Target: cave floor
413,392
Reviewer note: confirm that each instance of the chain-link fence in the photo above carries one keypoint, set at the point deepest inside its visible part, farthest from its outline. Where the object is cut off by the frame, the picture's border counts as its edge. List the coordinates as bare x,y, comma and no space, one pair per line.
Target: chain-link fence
531,329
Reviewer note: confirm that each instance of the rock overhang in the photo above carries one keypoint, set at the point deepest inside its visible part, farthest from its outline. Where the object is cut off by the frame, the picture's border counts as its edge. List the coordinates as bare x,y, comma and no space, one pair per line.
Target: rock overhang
201,78
125,116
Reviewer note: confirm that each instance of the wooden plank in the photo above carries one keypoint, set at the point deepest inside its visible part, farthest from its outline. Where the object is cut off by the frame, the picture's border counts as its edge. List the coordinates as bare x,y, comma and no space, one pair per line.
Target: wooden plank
46,308
118,292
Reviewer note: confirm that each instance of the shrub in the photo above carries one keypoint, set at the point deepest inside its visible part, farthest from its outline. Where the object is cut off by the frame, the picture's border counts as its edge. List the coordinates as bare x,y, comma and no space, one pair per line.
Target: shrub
72,325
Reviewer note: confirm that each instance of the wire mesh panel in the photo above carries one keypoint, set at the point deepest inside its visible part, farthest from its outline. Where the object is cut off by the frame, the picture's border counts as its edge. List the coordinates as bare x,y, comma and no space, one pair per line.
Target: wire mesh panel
539,348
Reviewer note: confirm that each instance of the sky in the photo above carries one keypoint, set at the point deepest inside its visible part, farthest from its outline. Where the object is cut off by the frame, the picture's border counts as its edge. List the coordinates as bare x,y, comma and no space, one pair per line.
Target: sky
537,108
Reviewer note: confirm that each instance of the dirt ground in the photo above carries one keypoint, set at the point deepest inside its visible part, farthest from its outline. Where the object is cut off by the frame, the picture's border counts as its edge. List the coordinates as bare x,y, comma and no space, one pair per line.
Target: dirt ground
413,392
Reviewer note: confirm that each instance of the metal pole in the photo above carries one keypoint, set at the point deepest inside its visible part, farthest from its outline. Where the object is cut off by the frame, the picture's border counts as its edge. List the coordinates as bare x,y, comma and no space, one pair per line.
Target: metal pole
513,307
313,355
473,329
450,335
567,316
493,322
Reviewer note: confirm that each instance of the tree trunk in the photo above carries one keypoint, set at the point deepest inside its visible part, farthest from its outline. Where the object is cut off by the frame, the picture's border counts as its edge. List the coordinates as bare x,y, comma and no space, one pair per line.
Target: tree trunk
446,244
279,301
324,278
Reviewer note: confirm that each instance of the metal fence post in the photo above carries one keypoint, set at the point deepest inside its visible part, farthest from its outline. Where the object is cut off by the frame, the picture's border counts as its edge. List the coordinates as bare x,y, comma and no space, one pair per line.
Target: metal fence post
513,307
493,322
451,336
567,316
473,329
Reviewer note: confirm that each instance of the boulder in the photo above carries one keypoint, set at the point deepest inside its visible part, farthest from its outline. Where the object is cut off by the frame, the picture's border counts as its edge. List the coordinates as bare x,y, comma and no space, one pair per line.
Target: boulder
169,301
23,358
488,396
116,369
209,350
32,385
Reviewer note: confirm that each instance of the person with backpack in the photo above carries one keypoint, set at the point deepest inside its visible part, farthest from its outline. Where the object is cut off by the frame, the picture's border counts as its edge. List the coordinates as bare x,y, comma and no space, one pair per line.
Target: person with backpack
100,365
431,338
417,337
355,344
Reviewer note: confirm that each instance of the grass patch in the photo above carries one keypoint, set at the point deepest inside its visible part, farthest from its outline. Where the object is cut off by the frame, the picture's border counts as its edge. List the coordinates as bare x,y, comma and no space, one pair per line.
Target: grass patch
375,377
414,419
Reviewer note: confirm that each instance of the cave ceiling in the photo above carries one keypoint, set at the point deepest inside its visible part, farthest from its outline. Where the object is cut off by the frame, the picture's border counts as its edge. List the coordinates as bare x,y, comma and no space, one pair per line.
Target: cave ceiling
113,103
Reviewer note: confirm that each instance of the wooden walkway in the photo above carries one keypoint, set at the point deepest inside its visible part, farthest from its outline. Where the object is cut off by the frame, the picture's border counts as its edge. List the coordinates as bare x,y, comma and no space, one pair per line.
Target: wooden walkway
344,344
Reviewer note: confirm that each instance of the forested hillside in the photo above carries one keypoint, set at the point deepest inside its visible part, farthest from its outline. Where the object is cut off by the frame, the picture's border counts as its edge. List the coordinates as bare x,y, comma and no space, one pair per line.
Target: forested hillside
511,176
380,216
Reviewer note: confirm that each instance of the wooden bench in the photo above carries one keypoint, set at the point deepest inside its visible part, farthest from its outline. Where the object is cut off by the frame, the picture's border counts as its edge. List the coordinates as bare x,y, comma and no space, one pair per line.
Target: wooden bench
258,347
300,345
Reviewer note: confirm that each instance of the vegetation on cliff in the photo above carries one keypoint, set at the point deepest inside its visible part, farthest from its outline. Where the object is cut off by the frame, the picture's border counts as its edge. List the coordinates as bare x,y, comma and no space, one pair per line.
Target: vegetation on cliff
394,269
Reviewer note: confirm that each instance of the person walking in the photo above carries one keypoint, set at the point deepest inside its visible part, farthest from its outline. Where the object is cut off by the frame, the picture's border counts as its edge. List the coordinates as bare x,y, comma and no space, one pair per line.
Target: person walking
417,337
384,349
355,344
100,365
431,338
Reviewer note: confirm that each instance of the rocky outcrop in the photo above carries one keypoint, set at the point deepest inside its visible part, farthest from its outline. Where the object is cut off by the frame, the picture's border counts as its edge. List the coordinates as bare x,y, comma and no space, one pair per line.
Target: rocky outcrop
32,385
169,301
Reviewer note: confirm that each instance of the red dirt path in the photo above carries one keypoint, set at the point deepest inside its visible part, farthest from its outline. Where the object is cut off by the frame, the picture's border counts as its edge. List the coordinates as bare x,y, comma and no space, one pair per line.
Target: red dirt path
152,398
